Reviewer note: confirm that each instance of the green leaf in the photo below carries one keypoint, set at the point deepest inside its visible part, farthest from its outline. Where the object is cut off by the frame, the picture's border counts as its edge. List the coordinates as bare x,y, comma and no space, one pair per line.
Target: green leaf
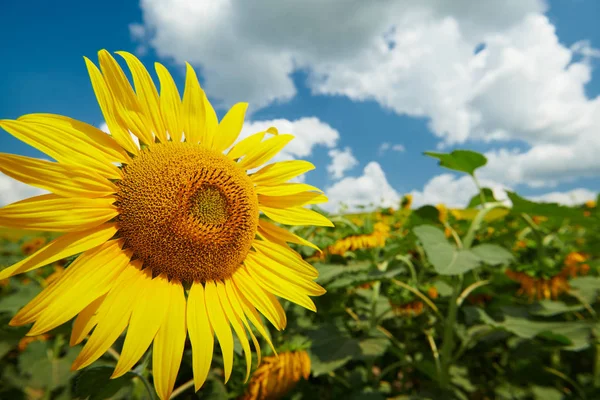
548,308
44,370
460,160
19,297
476,200
95,382
427,214
576,335
445,258
546,393
587,287
9,335
329,272
331,349
373,347
214,389
492,254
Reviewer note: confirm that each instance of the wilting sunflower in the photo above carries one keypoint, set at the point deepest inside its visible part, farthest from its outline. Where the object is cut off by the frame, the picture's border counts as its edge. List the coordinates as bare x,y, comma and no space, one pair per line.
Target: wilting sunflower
276,376
173,230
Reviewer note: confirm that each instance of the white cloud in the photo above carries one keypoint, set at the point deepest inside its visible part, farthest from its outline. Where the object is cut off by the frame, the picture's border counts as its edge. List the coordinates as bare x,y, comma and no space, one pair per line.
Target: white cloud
341,161
570,198
371,189
12,190
415,58
453,191
309,133
385,146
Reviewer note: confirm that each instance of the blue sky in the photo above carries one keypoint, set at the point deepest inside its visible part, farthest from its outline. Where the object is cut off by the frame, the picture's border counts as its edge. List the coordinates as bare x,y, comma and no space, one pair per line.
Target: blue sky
297,67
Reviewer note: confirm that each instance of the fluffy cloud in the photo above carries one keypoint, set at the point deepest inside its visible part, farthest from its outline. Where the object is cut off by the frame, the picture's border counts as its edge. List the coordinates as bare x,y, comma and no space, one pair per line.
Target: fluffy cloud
385,146
308,132
12,190
341,161
415,58
457,191
371,189
570,198
453,191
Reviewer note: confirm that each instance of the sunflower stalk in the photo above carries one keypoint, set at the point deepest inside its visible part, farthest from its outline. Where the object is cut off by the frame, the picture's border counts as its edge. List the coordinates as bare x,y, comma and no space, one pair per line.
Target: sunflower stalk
448,336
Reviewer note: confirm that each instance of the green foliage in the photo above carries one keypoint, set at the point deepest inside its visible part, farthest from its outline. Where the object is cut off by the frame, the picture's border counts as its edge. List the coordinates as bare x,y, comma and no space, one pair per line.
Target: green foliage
488,302
460,160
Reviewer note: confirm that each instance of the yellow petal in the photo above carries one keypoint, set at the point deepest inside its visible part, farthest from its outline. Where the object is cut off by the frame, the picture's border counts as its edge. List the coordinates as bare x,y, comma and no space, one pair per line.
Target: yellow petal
292,200
78,270
201,334
113,316
170,103
245,145
230,127
146,94
264,151
118,129
85,321
279,172
239,312
263,301
125,102
296,216
102,143
193,114
68,181
280,235
148,315
50,212
169,342
62,247
219,322
236,323
61,145
211,123
98,278
277,285
287,258
286,189
251,313
300,282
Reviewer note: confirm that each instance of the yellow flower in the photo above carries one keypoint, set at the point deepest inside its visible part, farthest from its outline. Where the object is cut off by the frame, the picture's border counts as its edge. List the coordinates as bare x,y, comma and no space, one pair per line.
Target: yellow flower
590,204
178,212
380,233
276,376
442,213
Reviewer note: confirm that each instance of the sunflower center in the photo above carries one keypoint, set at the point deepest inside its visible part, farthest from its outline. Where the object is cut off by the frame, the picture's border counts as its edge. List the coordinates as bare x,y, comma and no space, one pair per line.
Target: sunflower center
187,211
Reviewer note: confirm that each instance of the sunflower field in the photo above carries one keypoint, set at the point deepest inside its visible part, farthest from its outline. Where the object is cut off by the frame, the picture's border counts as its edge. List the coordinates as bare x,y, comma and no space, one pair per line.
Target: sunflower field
495,301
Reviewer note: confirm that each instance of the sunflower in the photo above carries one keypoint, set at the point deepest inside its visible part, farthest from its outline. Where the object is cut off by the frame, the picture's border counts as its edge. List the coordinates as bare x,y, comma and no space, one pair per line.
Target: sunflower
175,236
278,375
381,232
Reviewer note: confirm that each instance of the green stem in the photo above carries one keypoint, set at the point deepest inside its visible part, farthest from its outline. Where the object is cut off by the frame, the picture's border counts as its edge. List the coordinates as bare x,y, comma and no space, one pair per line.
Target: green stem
149,388
481,195
435,353
374,299
182,388
539,239
470,236
597,366
448,336
411,267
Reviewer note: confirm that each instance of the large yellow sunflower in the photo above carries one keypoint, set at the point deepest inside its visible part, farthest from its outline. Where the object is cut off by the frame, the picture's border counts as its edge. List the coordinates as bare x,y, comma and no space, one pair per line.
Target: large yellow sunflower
173,230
